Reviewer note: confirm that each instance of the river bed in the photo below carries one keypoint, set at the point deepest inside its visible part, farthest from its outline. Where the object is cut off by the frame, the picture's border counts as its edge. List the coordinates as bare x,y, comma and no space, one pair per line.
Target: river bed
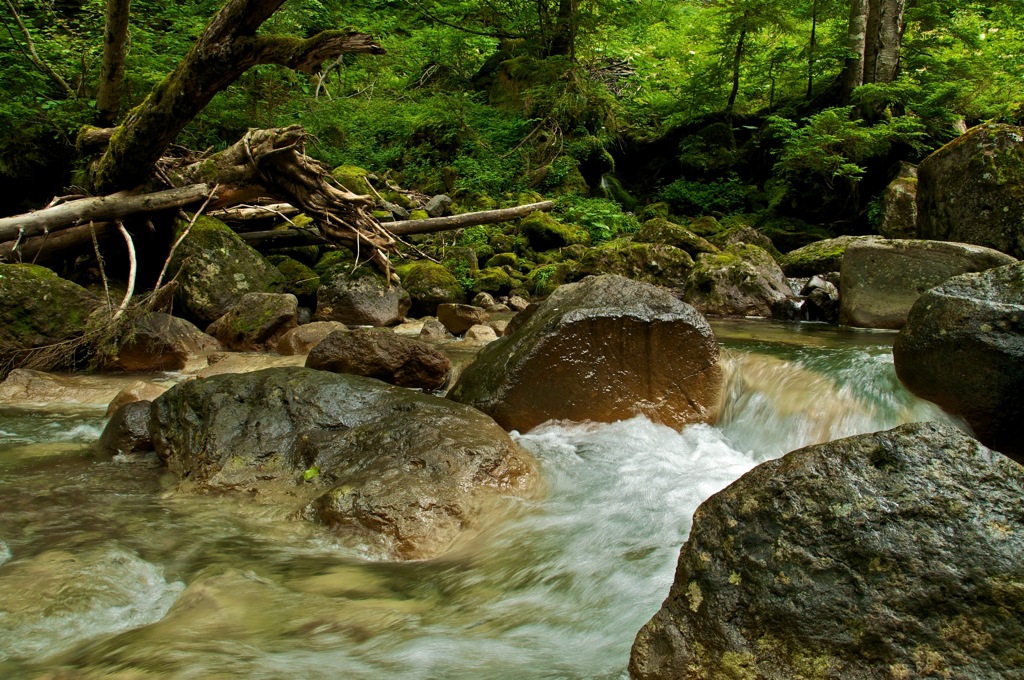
104,573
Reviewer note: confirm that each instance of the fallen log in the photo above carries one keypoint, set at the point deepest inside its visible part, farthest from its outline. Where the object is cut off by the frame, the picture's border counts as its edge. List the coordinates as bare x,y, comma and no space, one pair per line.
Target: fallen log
472,219
39,249
245,213
101,208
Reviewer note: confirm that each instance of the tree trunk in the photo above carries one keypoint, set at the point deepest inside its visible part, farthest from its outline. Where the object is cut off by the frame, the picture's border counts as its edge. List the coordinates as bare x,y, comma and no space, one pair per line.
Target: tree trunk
434,224
886,36
563,40
856,41
228,47
115,45
737,59
810,50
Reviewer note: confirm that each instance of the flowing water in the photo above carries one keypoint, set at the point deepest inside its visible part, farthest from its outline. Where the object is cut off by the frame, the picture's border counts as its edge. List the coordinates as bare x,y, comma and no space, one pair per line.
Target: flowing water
104,573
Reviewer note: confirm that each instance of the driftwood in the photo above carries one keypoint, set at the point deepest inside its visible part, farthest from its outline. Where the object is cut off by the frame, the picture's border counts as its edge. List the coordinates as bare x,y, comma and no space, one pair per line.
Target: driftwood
246,213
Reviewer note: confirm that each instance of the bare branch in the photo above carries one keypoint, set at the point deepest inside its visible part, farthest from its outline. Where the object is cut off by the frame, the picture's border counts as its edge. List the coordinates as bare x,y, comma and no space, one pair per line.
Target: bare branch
32,55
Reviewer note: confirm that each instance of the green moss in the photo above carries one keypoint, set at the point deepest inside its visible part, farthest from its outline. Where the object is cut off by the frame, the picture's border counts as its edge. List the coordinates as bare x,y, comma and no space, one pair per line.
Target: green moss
543,280
649,262
429,284
352,178
705,226
301,281
660,230
816,258
419,215
544,232
504,259
333,261
493,280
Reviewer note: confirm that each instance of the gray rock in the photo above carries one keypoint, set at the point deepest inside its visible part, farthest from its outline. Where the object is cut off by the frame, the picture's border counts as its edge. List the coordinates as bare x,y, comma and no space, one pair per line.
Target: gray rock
888,555
161,342
127,431
362,298
816,258
742,280
302,339
257,322
821,300
396,210
972,190
963,348
460,318
396,473
214,268
483,300
899,204
435,330
395,359
658,352
882,278
437,205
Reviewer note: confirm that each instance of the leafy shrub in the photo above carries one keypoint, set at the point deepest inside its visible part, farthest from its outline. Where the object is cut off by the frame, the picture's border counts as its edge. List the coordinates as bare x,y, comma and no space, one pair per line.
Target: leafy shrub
602,218
688,197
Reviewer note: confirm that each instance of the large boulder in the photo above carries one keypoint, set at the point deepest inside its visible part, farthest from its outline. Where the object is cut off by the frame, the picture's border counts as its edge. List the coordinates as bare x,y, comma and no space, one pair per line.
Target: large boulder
815,258
360,298
429,284
544,232
161,342
397,473
963,348
656,263
972,190
660,230
604,349
899,204
257,322
302,339
382,355
39,308
214,268
460,318
742,280
880,279
888,555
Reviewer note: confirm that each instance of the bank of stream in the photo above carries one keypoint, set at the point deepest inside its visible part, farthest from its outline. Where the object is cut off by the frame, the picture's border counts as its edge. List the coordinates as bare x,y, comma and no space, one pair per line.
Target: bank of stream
105,573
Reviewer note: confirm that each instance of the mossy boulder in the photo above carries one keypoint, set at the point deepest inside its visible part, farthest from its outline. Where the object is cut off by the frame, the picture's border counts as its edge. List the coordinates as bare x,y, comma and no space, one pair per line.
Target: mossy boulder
742,280
543,280
655,263
706,226
899,204
361,298
257,322
894,554
300,280
972,190
214,268
429,284
39,308
743,233
819,257
352,178
419,214
494,280
504,259
544,232
334,261
660,230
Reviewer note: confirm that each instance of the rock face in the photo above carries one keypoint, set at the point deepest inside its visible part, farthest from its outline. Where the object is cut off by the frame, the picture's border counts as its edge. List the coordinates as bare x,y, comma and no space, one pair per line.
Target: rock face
742,280
899,204
963,348
881,279
360,299
972,190
215,268
385,356
257,322
399,474
888,555
161,342
658,353
302,339
39,308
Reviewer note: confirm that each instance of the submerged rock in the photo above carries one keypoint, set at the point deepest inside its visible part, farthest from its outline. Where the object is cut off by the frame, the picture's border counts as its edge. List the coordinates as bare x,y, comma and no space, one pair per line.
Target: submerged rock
385,356
399,474
742,280
972,190
888,555
161,342
881,278
604,349
963,348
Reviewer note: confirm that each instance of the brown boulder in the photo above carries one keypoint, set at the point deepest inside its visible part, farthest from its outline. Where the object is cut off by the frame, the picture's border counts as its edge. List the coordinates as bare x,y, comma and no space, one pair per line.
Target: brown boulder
302,339
257,321
128,430
395,359
658,353
161,342
460,318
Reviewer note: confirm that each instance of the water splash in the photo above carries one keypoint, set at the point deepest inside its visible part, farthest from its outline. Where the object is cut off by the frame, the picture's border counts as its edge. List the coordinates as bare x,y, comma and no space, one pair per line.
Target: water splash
5,553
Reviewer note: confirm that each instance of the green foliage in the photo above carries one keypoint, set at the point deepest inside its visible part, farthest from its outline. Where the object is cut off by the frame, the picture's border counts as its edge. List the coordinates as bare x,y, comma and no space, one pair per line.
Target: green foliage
728,195
603,219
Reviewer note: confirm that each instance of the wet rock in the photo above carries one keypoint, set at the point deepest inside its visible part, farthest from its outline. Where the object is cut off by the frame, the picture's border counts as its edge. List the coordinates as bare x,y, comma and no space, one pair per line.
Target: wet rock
127,431
742,280
460,318
899,204
362,298
886,555
972,190
435,330
499,326
881,278
392,358
161,342
660,230
429,285
518,302
821,301
816,258
655,263
658,353
25,387
302,339
140,390
963,348
215,268
397,473
39,308
257,322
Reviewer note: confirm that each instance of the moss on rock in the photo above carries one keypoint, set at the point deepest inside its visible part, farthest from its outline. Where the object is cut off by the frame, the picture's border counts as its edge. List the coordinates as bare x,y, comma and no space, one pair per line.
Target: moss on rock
544,232
300,280
352,178
819,257
660,230
656,263
429,284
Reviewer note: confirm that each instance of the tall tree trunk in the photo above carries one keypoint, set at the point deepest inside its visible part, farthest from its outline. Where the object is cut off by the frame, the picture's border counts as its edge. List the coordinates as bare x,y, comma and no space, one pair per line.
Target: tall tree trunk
810,50
115,45
563,40
886,35
227,48
856,41
737,59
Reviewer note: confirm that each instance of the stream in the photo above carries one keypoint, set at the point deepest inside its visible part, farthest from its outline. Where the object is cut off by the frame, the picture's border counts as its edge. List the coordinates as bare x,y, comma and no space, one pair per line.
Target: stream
103,573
